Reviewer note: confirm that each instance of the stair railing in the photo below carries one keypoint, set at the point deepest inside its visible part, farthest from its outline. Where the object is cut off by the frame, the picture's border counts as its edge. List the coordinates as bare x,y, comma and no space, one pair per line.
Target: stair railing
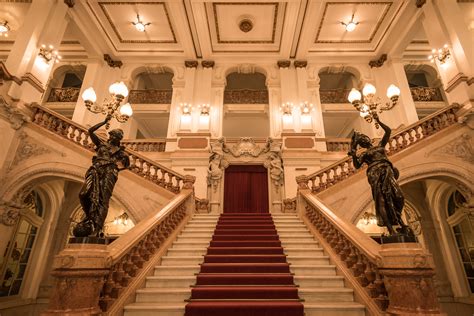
76,133
342,169
354,252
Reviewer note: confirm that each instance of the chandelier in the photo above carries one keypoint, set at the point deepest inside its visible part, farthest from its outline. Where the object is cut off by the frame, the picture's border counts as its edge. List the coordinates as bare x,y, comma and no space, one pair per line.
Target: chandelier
139,25
441,54
371,104
351,25
49,54
118,91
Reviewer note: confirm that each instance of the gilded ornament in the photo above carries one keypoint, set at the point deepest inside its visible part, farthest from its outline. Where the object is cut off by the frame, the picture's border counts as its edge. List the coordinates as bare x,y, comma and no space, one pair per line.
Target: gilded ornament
246,25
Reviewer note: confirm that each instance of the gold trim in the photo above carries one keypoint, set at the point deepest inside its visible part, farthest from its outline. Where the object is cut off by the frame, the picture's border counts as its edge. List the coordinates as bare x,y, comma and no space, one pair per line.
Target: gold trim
121,40
275,17
388,5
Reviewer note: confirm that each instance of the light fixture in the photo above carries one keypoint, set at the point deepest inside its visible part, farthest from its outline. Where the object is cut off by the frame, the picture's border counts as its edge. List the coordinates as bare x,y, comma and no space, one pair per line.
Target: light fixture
122,219
287,108
306,108
204,108
440,54
368,219
351,25
139,25
186,108
49,54
4,28
369,105
118,92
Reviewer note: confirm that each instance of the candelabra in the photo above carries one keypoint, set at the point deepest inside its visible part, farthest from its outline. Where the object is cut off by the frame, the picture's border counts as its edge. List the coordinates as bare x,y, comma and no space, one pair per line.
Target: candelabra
118,92
204,109
306,108
287,108
49,54
186,108
441,54
371,104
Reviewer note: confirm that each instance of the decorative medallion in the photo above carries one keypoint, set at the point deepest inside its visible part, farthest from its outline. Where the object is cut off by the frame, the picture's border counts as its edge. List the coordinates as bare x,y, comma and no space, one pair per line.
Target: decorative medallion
245,25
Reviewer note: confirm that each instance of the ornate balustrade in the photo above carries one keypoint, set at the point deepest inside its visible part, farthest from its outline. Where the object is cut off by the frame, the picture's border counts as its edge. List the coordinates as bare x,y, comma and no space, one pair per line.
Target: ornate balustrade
64,95
334,96
131,254
426,94
337,144
74,132
357,253
151,145
150,96
246,96
342,169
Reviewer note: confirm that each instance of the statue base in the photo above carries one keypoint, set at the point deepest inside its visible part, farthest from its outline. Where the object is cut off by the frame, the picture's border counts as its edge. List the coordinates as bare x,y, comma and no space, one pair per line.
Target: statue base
88,240
397,239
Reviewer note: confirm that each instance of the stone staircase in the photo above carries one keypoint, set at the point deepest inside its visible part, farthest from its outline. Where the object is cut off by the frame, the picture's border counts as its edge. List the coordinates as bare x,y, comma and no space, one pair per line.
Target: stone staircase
323,291
165,292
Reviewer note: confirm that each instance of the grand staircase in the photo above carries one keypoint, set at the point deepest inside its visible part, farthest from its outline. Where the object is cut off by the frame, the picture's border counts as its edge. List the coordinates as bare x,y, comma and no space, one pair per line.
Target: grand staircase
227,264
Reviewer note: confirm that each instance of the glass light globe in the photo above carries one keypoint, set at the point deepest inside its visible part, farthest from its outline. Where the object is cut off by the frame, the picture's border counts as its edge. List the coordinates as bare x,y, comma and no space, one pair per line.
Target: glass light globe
140,27
118,88
350,26
89,95
126,110
393,91
368,89
354,95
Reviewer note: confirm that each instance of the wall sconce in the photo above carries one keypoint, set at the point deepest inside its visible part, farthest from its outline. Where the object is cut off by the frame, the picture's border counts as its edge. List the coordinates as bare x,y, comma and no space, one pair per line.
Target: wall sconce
441,54
306,108
186,108
351,25
121,219
4,28
118,92
139,25
287,108
49,54
368,107
204,108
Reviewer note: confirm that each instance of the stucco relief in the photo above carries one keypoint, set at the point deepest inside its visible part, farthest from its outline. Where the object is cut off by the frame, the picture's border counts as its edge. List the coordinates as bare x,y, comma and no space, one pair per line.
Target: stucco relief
274,164
461,148
16,117
217,163
27,149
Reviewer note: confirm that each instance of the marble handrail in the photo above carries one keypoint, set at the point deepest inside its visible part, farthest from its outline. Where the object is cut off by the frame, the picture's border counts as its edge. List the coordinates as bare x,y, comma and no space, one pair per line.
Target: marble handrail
342,169
145,145
132,251
359,255
78,134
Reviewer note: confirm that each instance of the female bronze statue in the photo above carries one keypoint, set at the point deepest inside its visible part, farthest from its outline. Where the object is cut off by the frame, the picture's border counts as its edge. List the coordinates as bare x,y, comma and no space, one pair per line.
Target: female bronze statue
100,180
382,177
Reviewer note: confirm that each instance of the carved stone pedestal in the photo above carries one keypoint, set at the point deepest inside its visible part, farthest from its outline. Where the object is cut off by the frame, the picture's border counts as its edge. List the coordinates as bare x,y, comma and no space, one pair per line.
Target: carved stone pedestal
79,273
408,276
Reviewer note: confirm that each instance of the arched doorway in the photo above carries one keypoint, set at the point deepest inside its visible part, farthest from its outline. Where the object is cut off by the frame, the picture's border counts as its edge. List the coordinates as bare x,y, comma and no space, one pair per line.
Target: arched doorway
246,189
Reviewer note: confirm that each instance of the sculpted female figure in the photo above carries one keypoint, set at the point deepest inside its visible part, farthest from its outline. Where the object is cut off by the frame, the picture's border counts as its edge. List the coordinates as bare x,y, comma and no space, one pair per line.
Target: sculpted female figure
382,177
100,180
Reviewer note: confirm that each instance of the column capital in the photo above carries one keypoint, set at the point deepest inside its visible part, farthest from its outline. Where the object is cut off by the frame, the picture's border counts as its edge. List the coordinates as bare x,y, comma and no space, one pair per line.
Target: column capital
283,64
300,63
191,63
207,63
70,3
377,63
112,63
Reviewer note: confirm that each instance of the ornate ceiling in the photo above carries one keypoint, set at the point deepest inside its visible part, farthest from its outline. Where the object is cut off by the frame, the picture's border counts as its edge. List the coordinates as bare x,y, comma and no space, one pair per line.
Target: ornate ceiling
229,28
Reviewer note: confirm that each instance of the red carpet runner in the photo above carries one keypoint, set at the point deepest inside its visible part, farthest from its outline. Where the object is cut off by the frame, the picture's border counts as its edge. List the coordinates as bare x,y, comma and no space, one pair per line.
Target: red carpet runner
245,272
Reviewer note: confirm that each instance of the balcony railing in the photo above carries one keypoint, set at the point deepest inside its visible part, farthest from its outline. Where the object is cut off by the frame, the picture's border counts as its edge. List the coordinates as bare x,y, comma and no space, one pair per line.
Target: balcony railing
338,144
150,96
426,94
334,96
246,96
155,145
64,95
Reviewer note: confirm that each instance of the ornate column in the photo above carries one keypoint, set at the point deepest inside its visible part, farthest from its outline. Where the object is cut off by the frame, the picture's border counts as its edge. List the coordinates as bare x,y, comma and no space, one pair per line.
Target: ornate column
44,24
288,91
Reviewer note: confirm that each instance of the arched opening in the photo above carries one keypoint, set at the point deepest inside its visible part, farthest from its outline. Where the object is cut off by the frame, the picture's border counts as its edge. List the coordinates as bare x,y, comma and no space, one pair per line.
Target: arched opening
425,87
246,99
64,87
151,99
338,115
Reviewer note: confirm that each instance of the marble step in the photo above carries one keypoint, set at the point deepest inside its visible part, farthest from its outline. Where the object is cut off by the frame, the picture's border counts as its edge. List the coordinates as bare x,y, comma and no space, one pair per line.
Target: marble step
188,270
158,295
154,309
319,281
187,251
301,260
334,309
174,281
313,269
298,243
306,251
288,237
311,295
181,260
178,244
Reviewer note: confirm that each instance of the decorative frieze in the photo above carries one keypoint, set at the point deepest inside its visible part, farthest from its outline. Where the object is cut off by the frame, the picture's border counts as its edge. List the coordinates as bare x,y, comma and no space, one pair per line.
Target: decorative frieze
112,63
425,94
334,96
245,96
150,96
64,95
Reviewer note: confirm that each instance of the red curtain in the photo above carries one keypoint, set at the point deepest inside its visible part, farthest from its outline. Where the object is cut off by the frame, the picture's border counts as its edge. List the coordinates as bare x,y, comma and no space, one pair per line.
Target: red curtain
246,189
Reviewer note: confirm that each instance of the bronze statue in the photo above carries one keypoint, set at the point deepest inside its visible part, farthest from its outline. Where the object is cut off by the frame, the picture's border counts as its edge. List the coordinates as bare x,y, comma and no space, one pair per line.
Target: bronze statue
100,178
382,177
